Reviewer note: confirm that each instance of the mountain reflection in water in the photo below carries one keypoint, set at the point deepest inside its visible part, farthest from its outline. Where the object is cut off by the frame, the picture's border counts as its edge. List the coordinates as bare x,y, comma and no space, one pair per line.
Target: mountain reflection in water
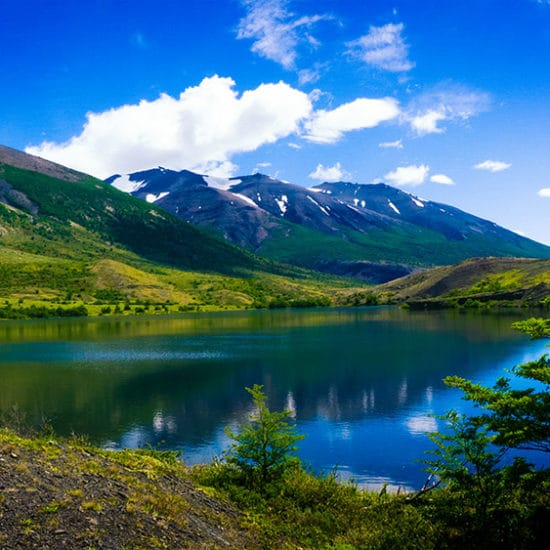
361,383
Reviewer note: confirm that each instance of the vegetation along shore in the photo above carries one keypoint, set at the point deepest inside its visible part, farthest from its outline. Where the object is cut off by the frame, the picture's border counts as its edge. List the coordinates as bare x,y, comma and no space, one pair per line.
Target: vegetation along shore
66,493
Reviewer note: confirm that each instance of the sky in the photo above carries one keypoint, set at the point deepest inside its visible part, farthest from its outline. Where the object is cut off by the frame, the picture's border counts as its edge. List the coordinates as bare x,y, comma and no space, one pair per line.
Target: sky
447,100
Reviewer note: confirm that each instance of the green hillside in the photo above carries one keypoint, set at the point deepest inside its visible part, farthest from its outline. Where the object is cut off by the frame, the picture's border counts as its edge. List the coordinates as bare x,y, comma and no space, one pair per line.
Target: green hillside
401,244
479,282
74,241
88,218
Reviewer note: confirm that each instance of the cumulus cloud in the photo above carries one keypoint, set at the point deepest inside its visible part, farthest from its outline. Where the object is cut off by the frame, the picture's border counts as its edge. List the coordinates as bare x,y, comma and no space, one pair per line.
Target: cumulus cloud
391,144
544,192
492,165
408,175
199,130
329,126
329,173
446,102
276,32
383,48
442,179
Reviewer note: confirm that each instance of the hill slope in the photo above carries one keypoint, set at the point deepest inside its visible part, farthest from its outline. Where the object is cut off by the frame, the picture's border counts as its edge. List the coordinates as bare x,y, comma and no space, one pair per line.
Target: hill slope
66,236
518,281
42,214
374,231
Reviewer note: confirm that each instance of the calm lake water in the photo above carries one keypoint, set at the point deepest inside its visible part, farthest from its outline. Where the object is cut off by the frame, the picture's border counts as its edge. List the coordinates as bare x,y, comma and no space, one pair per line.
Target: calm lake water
361,383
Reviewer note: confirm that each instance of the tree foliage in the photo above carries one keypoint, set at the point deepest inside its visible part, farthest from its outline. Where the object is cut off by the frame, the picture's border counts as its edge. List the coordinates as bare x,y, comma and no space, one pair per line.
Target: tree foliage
519,418
536,327
488,502
265,446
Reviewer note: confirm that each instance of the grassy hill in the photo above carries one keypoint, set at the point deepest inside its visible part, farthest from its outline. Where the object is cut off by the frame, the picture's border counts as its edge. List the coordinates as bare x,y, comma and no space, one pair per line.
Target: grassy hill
69,240
474,283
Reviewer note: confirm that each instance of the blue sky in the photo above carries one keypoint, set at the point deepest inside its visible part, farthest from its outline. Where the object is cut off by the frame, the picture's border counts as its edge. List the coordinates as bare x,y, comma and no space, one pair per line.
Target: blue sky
447,100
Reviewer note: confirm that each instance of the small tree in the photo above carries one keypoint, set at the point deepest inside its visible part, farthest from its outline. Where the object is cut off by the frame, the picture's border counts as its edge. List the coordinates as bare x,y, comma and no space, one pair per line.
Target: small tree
265,446
511,418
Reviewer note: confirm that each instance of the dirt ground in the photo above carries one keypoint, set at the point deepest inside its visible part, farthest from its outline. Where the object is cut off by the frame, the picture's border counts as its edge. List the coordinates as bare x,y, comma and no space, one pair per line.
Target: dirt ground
61,495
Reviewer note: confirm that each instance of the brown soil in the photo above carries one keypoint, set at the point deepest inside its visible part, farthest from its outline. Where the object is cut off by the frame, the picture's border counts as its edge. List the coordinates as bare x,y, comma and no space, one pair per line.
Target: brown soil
63,495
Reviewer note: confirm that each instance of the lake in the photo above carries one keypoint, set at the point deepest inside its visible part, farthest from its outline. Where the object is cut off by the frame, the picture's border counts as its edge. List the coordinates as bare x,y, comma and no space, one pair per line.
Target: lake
361,383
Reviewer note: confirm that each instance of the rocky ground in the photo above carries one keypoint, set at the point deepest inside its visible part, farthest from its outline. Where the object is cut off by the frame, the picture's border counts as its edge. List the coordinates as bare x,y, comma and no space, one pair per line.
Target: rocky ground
56,495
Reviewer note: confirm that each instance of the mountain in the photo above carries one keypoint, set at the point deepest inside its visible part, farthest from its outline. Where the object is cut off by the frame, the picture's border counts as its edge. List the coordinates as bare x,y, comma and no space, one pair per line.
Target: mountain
372,231
66,238
48,208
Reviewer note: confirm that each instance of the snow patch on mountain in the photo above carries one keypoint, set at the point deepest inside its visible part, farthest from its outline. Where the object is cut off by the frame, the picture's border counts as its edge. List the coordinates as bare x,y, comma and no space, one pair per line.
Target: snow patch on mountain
246,199
418,202
353,208
154,198
282,204
324,210
124,183
393,207
220,183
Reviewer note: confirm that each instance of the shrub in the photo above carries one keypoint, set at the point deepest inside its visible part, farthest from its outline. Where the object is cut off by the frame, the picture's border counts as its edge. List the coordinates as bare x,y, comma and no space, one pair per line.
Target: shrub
265,447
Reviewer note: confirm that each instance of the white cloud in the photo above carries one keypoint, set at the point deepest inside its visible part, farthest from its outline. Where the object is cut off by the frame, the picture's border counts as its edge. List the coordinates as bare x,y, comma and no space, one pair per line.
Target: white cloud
310,76
276,31
198,130
427,123
384,48
329,173
442,179
329,126
391,144
544,192
446,102
408,175
493,165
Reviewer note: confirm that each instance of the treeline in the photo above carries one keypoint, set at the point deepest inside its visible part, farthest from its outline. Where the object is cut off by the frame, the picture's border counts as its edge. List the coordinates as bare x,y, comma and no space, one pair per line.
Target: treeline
33,311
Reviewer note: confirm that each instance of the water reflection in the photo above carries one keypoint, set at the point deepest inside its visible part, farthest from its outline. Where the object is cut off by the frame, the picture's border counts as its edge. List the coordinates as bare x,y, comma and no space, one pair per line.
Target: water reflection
361,383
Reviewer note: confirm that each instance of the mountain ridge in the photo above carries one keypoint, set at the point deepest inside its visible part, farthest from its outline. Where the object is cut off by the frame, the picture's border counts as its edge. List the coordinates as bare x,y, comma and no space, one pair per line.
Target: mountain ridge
75,240
373,231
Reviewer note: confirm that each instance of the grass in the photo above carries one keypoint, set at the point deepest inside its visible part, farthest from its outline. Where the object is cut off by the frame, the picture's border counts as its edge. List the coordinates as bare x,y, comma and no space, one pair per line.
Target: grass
108,287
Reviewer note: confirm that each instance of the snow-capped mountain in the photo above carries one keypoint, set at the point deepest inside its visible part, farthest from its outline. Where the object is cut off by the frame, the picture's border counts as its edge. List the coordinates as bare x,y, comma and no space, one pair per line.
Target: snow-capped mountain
372,230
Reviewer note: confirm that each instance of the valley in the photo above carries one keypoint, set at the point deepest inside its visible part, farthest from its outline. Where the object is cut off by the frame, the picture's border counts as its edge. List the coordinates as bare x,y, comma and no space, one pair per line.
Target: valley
71,245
